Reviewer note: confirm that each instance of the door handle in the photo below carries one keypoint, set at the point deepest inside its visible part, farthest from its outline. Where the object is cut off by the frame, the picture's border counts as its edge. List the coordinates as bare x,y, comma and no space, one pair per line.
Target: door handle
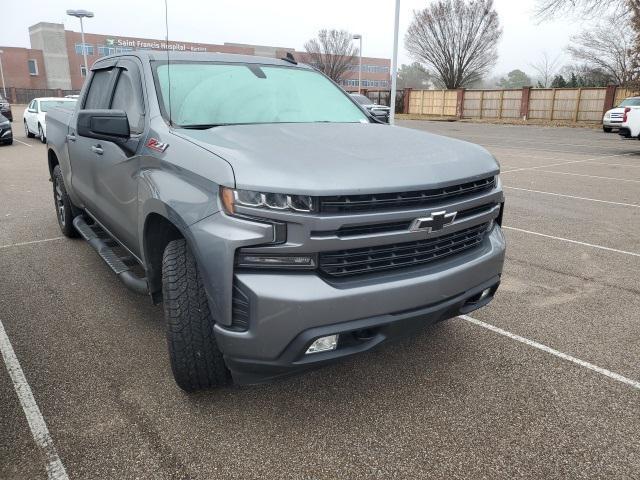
71,137
97,149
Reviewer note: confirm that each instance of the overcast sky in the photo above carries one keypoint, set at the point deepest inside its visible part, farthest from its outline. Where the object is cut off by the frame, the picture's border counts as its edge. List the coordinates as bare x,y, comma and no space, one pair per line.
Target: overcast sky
287,23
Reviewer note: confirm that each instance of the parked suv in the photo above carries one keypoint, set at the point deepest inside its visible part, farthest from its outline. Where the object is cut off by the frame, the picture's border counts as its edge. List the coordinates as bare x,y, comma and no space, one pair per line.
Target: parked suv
613,118
281,226
5,109
381,112
6,133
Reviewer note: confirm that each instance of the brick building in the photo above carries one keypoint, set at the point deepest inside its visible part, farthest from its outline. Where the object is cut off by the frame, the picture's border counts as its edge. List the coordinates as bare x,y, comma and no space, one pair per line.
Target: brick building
55,59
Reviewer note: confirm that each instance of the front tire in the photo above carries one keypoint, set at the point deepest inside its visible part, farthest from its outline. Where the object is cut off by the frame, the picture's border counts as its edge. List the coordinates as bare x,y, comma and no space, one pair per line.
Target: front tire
196,361
26,131
65,210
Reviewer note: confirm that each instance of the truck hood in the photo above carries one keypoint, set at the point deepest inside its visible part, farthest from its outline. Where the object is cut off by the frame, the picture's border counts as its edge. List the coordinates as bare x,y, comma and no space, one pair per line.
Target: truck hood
333,159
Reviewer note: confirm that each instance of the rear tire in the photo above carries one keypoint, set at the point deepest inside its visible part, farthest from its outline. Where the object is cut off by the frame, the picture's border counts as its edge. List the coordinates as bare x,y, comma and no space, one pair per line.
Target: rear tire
607,129
196,361
26,131
65,210
41,134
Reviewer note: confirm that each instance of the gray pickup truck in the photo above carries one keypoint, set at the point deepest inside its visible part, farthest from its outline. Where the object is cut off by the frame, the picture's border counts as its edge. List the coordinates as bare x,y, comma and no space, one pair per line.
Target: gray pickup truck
281,226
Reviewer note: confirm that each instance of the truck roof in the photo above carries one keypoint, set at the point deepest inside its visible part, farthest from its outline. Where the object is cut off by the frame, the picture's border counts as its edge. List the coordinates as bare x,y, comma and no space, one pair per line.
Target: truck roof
151,55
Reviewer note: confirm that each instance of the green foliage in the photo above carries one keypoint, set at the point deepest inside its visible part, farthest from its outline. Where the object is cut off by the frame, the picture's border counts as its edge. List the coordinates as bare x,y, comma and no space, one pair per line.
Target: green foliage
413,76
515,79
558,82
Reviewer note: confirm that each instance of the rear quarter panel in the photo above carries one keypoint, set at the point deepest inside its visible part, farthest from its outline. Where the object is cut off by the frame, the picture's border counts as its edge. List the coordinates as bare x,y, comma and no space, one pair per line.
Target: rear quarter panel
58,120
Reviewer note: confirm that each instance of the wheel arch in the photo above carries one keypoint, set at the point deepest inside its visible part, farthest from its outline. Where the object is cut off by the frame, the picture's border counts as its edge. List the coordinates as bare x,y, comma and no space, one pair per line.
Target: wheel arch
158,231
52,160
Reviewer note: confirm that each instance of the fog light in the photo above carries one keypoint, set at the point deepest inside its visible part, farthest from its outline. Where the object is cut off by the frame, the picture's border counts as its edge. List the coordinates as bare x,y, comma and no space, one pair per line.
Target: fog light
323,344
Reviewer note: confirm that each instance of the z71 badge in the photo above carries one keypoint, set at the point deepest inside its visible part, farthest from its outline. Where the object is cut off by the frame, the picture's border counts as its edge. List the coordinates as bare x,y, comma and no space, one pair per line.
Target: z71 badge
156,145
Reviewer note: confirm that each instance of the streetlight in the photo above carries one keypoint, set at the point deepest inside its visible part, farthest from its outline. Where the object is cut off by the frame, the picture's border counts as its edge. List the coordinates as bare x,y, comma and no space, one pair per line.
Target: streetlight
357,36
82,14
4,89
394,65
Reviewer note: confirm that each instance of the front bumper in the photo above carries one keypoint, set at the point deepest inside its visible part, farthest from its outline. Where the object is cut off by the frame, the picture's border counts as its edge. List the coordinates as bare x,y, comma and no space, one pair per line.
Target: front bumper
290,310
611,123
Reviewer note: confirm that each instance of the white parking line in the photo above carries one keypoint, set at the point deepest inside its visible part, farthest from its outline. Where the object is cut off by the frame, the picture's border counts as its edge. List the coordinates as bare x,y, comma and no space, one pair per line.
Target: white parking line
39,430
614,164
30,243
566,163
600,247
591,176
530,149
574,197
22,143
602,371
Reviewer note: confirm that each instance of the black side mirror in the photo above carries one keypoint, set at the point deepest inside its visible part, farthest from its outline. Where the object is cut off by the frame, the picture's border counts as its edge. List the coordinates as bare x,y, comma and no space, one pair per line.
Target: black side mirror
110,125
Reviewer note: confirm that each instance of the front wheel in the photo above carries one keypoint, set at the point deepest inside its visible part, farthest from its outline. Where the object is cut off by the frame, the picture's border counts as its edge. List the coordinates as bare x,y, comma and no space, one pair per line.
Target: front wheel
65,211
196,360
27,132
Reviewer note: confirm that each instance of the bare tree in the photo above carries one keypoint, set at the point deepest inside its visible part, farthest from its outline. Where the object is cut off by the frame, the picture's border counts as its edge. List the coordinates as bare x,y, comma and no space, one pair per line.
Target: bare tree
584,8
546,68
332,52
624,11
595,49
456,39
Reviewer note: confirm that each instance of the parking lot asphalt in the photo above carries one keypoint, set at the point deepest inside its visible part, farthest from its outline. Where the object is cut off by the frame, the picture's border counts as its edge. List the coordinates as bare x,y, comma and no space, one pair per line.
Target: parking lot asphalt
457,401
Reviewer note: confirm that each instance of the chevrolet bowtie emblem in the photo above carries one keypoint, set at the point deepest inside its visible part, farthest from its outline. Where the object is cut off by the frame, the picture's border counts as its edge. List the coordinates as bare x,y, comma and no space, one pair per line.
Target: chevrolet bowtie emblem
436,221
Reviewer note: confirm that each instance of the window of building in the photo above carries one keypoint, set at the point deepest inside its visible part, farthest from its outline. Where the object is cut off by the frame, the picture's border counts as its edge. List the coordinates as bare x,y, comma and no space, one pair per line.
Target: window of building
83,71
103,50
33,67
81,49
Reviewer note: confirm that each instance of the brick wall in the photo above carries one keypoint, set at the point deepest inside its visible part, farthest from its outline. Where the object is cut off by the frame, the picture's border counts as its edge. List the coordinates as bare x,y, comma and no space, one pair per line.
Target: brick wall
16,70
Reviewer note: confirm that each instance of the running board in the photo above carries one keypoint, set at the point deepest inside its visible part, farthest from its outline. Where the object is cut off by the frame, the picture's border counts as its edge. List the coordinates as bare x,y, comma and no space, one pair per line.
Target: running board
91,233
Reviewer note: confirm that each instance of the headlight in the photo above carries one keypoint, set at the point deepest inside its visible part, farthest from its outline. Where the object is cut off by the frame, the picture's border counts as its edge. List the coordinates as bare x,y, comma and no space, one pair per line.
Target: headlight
269,260
270,201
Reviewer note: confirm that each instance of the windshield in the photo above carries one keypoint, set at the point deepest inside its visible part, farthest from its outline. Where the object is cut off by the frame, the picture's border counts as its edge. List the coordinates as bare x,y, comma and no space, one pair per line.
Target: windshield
362,100
47,105
630,102
208,94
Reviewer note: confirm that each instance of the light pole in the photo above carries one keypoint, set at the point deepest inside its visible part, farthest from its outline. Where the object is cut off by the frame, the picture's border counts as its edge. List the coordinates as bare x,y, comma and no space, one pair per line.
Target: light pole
4,88
82,14
394,65
359,37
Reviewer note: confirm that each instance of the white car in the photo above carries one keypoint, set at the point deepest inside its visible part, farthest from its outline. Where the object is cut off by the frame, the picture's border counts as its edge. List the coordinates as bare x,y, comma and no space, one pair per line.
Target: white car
613,118
35,115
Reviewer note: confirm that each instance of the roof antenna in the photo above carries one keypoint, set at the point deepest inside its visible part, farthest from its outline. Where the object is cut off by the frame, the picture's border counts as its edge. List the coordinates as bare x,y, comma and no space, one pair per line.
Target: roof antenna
289,58
166,26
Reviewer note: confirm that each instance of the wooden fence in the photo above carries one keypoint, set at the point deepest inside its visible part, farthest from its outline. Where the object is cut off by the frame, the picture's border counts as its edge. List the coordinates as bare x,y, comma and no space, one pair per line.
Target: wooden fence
433,102
565,104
